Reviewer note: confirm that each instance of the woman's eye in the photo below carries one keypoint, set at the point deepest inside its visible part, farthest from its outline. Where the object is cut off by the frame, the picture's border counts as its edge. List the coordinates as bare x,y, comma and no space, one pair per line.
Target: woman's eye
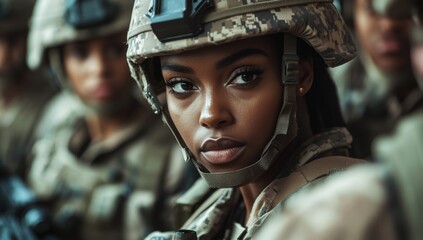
180,86
79,52
245,76
115,50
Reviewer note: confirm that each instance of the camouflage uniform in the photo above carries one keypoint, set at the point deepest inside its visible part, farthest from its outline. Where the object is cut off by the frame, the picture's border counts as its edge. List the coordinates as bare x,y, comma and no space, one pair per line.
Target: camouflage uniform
19,118
317,25
353,205
122,187
55,114
378,201
315,22
367,101
371,99
220,215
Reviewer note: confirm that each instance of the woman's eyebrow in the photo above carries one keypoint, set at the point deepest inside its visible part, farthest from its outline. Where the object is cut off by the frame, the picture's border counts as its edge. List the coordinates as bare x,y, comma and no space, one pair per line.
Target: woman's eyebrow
176,68
239,55
220,64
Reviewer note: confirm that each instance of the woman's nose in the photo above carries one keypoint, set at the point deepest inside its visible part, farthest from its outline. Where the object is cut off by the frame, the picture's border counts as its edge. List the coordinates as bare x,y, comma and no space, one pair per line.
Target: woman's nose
97,64
215,111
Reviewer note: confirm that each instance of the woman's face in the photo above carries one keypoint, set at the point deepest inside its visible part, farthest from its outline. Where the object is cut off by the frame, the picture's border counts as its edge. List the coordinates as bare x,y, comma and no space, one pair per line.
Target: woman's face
98,72
385,40
225,100
12,54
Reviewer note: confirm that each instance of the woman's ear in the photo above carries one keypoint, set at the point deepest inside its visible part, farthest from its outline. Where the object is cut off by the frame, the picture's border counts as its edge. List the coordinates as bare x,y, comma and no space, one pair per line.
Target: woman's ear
306,76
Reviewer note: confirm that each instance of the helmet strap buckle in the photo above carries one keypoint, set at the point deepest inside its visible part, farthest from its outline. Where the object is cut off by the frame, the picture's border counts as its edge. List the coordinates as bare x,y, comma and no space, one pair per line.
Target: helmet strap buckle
290,61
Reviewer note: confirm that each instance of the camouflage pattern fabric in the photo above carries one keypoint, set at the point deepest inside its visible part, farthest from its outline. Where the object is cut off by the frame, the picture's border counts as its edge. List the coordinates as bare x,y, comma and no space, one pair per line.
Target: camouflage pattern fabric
55,114
121,188
378,201
352,205
50,29
316,22
214,219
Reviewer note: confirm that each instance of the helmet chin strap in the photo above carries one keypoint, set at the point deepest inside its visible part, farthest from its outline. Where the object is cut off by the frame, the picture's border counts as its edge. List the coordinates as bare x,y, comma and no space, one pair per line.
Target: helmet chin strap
57,68
285,132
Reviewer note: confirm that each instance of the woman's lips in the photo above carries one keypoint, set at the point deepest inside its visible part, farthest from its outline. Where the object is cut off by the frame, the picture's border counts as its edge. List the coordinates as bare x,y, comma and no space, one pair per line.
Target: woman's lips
221,150
102,92
391,44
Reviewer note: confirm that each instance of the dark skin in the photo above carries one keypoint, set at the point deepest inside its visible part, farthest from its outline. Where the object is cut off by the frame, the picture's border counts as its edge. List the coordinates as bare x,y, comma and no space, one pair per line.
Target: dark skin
417,55
12,59
99,76
386,40
232,94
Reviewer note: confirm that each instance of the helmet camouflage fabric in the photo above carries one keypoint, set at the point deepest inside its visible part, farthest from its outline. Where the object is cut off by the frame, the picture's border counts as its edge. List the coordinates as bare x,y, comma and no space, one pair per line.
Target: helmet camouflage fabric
57,22
317,22
14,15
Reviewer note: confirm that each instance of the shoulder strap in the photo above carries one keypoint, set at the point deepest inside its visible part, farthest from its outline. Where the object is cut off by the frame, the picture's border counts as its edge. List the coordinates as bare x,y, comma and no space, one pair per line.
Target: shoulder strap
326,165
312,171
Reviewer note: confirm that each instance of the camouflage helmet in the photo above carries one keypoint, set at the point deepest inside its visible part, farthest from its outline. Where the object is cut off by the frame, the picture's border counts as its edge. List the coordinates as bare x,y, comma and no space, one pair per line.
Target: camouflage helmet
57,22
14,15
160,28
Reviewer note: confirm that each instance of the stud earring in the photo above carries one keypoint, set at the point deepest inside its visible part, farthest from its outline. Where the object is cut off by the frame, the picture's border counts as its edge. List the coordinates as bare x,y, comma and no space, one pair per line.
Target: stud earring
301,90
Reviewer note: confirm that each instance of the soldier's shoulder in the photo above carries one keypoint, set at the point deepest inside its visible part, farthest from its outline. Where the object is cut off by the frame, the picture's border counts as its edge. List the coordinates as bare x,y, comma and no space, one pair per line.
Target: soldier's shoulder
62,111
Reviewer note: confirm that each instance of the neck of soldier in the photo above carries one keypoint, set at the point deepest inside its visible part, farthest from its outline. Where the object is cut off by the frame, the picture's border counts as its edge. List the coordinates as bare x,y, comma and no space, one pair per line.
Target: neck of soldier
103,126
251,191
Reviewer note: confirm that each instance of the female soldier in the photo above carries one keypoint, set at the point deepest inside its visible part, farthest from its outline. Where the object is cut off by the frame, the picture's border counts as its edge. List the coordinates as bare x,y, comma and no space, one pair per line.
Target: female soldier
248,97
111,170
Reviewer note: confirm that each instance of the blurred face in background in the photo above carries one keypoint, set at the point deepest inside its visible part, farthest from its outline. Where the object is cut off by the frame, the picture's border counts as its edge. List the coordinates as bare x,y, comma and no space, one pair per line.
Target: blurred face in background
385,40
98,73
12,55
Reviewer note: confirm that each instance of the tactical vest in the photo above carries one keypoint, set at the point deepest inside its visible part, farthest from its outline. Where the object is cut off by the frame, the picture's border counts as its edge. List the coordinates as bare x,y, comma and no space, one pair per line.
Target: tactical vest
281,188
119,198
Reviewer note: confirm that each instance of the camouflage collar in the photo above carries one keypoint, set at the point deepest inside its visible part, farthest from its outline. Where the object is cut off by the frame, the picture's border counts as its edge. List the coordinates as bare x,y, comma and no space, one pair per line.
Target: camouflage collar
323,144
209,224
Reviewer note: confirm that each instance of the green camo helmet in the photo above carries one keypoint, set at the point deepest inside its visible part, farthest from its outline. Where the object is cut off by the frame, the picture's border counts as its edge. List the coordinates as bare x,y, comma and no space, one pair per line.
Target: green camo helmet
160,28
57,22
14,15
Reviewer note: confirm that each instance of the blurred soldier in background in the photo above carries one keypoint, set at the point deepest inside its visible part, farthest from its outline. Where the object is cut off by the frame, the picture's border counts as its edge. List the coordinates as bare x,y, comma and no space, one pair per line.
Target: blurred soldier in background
378,87
380,201
23,93
112,173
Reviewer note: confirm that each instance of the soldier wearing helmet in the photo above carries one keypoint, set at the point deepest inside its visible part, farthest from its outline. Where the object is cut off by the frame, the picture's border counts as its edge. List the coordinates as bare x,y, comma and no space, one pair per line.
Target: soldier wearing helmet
244,88
111,170
23,93
378,87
